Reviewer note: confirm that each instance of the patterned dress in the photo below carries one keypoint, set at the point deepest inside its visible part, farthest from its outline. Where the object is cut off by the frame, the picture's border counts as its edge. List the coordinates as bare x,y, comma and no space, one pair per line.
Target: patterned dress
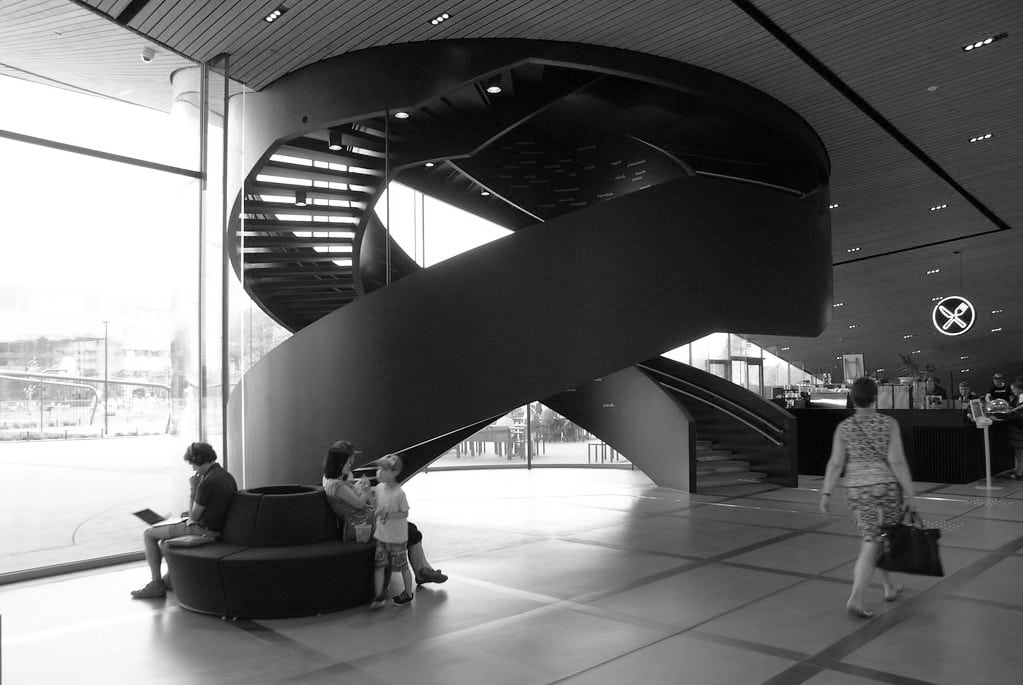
352,516
873,493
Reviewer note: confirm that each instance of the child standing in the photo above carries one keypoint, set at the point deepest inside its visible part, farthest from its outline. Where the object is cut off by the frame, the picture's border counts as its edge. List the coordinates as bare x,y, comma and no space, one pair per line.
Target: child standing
391,531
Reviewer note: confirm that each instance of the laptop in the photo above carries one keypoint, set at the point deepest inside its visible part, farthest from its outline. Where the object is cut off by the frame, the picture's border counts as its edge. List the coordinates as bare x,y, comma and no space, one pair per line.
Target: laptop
152,518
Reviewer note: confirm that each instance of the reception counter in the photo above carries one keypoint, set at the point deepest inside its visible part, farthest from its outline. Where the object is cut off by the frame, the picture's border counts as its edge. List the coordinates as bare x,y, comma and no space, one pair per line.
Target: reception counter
942,445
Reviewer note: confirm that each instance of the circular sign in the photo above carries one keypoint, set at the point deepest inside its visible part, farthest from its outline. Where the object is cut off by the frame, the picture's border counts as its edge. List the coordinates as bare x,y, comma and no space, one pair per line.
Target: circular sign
953,315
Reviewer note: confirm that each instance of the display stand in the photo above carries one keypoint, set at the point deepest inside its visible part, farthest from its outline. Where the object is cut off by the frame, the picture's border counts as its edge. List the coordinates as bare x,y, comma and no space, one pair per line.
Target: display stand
984,422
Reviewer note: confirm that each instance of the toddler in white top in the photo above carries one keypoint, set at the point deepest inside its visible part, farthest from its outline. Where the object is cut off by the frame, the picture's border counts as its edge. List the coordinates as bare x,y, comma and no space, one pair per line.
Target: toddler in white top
391,531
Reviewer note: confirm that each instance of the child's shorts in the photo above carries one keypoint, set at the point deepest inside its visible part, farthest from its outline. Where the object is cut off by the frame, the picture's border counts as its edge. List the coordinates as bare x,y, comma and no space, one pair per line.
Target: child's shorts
393,554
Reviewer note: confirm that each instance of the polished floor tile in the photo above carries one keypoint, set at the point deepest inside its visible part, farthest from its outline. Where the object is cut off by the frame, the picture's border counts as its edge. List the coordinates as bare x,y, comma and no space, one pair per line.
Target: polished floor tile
693,596
681,535
805,553
950,642
806,617
576,576
680,659
560,568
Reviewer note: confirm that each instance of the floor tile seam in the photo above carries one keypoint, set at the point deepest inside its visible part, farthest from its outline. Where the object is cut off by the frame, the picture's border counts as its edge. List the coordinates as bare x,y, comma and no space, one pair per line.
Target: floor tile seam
928,596
750,646
805,575
622,548
510,545
302,653
990,518
759,525
788,535
977,601
875,674
337,670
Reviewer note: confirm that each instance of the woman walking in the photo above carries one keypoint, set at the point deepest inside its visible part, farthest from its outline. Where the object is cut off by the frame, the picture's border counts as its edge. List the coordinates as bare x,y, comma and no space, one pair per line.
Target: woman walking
878,485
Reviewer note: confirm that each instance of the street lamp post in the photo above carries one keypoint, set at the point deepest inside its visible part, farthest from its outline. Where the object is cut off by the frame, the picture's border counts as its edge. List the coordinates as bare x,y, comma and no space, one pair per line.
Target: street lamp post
106,388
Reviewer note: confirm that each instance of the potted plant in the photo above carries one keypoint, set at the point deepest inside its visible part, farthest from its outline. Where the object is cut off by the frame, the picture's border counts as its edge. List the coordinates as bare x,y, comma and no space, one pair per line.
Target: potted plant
918,372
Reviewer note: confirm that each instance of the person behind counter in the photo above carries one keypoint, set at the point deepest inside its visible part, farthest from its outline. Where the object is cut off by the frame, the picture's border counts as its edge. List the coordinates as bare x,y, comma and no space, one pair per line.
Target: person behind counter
999,390
1015,421
933,387
965,394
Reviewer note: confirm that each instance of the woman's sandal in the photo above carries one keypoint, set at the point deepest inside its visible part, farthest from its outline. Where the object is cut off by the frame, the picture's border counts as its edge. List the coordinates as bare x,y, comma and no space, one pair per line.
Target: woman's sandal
891,596
859,612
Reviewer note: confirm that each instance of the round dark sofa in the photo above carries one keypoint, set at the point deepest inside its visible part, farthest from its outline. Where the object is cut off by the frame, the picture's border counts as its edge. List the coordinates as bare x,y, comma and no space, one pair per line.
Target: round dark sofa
280,554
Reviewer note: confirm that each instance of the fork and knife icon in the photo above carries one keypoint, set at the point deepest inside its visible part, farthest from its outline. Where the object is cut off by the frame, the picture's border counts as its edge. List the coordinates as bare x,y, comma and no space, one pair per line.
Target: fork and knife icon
954,317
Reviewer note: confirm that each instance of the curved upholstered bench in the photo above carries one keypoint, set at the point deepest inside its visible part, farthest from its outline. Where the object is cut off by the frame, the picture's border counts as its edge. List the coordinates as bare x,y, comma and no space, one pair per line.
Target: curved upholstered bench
280,554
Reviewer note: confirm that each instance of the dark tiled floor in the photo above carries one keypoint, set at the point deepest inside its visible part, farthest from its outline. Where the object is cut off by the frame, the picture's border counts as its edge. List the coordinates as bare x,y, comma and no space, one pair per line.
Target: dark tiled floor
583,577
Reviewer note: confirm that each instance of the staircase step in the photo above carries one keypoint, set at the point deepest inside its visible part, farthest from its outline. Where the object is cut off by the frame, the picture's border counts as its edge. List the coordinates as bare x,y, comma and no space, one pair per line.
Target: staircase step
704,443
704,458
722,479
704,452
730,466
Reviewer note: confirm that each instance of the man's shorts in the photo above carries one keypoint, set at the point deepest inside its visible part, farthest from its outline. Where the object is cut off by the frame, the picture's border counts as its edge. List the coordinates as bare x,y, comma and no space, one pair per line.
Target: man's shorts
393,554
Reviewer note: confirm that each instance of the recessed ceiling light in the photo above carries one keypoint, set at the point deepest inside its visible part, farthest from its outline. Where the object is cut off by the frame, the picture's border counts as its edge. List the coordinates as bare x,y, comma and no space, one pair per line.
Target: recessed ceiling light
837,357
485,193
428,165
939,297
335,143
852,325
853,249
983,41
933,271
964,370
996,330
838,304
785,348
401,115
440,18
494,84
915,352
300,198
936,208
834,205
997,311
275,15
932,89
907,336
965,356
977,139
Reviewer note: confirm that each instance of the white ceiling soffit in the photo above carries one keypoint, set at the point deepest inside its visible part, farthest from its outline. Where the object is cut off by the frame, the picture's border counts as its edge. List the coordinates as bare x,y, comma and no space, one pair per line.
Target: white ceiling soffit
62,44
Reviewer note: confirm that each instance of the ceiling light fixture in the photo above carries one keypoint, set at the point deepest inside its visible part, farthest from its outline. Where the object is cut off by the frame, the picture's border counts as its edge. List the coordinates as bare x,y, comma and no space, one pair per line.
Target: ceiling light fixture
964,370
401,115
965,356
494,84
939,297
977,139
428,165
937,208
933,271
915,352
485,193
834,205
300,198
335,142
984,41
853,249
997,311
996,330
907,336
147,55
838,304
275,15
785,348
852,325
440,18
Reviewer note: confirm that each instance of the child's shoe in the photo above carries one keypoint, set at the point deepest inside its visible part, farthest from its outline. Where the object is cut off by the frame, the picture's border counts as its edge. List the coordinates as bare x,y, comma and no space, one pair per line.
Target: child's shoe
403,598
378,602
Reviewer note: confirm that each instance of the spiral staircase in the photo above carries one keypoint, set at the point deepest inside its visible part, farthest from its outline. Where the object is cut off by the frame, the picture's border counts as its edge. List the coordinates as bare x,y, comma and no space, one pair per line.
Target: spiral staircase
630,185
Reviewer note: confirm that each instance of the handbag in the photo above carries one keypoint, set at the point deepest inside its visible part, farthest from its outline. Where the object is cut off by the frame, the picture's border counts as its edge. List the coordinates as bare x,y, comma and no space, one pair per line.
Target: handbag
910,548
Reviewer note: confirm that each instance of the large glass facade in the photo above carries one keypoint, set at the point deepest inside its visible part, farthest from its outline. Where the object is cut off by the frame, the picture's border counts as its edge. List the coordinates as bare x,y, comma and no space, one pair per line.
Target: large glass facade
98,327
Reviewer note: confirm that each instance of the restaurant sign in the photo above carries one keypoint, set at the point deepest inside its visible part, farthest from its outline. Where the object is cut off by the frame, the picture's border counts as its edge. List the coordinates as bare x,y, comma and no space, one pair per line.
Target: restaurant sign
953,315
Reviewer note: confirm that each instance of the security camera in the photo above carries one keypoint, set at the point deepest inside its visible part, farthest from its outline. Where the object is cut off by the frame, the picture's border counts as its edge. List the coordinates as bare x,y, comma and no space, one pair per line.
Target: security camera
148,54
